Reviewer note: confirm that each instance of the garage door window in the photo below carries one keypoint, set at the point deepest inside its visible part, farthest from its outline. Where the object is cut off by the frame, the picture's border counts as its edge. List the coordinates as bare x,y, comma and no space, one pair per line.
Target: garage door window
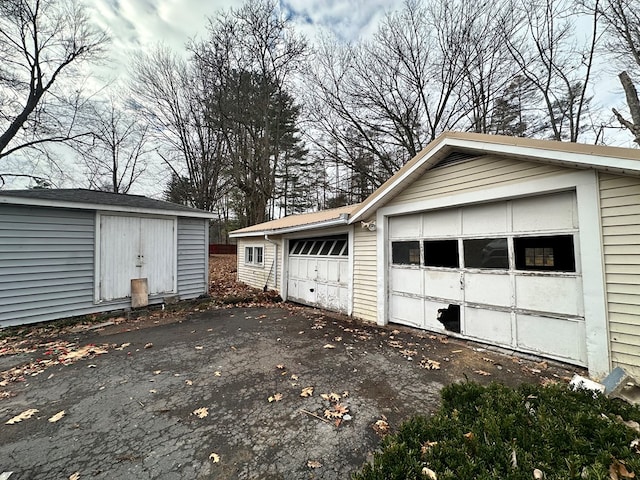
491,253
253,255
554,253
321,247
405,253
441,253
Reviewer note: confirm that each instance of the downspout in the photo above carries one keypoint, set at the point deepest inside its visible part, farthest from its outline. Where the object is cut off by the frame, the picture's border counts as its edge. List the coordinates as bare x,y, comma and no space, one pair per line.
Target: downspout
274,265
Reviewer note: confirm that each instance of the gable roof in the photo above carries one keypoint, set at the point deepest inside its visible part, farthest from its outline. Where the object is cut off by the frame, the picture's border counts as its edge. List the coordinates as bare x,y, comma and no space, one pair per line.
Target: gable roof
83,199
298,222
574,155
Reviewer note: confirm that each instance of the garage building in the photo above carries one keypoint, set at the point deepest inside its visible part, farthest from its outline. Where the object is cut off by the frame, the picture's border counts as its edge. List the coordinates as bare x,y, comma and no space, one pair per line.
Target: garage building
529,245
70,252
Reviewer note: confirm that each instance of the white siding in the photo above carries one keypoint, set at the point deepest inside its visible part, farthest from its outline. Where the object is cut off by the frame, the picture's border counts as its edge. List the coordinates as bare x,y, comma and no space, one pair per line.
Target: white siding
475,174
620,207
365,279
256,275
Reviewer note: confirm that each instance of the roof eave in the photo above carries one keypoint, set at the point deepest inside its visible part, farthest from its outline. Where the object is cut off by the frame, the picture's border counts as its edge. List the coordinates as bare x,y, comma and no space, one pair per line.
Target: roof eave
334,222
449,142
36,202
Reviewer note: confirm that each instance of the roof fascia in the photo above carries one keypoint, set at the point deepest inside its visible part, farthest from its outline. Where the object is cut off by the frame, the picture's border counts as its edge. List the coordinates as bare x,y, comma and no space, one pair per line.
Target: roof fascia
37,202
343,220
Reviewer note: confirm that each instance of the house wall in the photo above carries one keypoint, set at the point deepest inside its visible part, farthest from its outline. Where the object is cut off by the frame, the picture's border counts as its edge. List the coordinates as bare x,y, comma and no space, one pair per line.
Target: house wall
47,264
620,207
256,275
193,258
365,279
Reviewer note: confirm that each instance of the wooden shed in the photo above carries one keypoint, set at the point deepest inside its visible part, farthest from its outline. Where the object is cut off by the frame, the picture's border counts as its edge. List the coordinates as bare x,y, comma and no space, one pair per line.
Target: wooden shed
70,252
529,245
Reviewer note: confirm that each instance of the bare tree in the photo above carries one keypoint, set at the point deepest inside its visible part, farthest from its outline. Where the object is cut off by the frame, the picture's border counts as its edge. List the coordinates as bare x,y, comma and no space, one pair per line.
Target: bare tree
172,95
42,42
116,152
543,45
622,18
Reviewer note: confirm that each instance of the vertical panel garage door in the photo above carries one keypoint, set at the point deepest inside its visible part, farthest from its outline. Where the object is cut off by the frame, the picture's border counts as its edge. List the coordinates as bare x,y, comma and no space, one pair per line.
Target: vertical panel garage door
507,273
318,272
134,247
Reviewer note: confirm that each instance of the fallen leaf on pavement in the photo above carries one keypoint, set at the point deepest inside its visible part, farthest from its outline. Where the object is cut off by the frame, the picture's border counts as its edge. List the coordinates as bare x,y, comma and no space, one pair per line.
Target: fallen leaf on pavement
188,382
429,364
57,417
23,416
294,377
148,345
157,372
217,373
275,398
482,372
306,392
381,427
314,464
123,346
280,366
201,412
328,345
74,476
199,347
214,457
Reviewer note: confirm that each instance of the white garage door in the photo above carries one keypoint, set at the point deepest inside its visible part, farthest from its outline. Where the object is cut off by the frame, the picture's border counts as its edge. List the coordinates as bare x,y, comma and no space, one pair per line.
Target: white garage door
134,247
507,273
318,272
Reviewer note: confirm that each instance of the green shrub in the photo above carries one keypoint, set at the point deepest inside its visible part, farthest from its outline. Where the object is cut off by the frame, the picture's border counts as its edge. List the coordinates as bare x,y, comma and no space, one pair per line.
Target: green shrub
477,429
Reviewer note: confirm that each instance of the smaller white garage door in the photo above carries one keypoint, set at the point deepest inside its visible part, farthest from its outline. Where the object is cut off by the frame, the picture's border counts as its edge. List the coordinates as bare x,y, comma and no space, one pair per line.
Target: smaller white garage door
318,273
135,247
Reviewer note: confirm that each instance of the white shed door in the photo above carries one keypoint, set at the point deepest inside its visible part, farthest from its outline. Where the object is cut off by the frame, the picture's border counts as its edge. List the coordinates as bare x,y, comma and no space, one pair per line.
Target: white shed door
134,247
507,273
318,273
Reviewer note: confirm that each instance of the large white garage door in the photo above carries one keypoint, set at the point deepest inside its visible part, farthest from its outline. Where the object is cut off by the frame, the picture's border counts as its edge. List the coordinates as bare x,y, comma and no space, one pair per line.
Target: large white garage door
318,272
507,273
134,247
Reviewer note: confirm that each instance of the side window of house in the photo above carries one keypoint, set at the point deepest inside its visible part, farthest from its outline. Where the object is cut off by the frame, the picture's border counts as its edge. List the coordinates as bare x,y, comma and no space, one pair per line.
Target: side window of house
441,253
253,255
490,253
405,253
553,253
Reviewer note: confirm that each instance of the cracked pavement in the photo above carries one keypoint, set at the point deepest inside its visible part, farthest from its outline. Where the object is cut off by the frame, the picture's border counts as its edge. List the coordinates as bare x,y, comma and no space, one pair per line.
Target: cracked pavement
129,413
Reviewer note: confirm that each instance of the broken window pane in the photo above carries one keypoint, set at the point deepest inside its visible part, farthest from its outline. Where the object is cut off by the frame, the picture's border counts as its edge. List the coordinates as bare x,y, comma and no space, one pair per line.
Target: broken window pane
441,253
486,253
405,253
553,253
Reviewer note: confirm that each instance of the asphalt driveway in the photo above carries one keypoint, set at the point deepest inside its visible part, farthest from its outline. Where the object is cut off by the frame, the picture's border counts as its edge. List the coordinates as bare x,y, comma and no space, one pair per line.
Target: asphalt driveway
218,395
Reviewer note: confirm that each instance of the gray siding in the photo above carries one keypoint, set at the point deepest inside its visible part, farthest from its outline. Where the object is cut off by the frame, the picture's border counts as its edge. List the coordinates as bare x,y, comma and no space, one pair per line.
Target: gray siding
193,258
46,264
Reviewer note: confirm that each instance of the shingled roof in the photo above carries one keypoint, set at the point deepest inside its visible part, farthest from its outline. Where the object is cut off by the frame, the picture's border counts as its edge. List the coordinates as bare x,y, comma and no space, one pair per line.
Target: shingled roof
97,200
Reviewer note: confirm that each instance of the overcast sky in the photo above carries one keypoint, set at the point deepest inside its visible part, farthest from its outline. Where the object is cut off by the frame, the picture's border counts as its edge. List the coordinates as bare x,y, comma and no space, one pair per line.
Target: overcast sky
137,25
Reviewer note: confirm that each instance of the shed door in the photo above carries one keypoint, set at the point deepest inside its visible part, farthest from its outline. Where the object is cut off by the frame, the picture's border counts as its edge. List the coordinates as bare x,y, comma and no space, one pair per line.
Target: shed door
319,272
135,247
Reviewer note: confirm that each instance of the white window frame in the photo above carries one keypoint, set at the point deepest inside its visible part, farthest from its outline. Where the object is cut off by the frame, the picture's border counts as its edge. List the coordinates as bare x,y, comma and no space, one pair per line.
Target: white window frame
254,249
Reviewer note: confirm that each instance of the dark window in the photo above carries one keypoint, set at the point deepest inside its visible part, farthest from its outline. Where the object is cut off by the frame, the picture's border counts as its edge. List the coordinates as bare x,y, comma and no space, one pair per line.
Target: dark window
316,248
405,253
441,253
258,251
306,248
339,246
486,253
553,253
294,247
248,254
326,247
